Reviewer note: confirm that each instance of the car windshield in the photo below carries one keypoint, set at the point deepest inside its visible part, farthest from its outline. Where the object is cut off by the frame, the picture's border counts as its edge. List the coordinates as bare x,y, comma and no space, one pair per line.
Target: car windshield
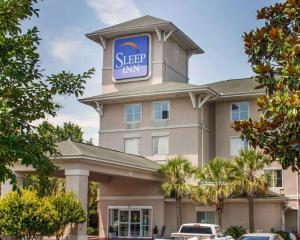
196,229
254,238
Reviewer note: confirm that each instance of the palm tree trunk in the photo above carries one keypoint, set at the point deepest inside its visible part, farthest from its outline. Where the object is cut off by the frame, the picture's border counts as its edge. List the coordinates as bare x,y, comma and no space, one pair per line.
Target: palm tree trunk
251,213
220,219
219,210
178,212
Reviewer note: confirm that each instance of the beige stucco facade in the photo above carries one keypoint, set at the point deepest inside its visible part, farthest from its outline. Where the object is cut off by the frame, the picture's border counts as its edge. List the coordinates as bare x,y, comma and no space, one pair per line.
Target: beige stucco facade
198,126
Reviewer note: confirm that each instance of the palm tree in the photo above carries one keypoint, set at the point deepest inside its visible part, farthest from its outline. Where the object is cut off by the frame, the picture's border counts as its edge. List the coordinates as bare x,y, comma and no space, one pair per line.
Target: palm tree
247,180
213,185
176,172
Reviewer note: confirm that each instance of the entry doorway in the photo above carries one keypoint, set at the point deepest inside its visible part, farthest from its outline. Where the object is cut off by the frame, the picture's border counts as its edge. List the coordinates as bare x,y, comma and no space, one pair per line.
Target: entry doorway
130,221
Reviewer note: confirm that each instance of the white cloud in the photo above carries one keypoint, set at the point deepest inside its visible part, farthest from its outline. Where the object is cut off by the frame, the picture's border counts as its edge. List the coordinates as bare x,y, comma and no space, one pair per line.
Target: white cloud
112,12
65,49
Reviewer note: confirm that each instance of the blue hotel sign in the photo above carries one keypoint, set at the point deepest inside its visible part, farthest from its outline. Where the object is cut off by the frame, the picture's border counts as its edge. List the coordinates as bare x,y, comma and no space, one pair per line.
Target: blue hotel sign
131,58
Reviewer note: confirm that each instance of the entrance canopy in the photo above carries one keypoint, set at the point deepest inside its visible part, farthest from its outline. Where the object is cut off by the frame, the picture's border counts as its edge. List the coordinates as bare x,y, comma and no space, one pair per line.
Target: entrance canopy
80,163
102,163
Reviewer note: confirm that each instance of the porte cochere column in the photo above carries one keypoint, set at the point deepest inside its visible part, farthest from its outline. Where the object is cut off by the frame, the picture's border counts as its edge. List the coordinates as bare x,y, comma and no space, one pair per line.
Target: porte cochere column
7,187
77,181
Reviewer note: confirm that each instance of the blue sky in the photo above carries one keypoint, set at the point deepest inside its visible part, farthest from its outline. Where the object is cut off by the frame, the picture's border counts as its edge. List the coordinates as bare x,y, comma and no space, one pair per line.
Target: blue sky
215,25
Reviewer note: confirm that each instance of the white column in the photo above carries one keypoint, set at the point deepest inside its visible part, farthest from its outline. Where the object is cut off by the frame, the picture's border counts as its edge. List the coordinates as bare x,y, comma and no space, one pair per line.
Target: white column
7,187
77,182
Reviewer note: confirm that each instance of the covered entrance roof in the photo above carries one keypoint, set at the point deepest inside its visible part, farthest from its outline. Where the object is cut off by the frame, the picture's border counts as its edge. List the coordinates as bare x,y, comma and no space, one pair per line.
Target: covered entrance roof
102,163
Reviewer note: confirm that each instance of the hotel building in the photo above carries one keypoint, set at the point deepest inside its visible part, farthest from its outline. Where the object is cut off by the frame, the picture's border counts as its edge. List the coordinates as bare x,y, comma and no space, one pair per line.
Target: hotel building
149,112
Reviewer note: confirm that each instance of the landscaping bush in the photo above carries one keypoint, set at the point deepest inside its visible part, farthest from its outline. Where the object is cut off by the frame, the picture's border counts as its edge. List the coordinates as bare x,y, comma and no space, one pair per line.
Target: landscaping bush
24,215
284,235
235,231
92,231
68,211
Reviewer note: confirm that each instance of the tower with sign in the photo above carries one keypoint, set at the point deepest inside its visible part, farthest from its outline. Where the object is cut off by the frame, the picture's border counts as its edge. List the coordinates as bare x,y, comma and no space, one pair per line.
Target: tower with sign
142,52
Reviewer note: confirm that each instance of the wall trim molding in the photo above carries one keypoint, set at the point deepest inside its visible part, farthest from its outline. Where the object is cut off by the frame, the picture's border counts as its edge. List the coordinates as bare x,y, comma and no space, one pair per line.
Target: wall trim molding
153,128
150,197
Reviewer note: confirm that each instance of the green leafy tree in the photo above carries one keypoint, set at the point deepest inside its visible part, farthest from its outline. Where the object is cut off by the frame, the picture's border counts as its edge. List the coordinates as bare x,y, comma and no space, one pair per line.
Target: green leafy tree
54,185
68,211
247,178
214,185
69,131
26,94
176,171
274,53
23,215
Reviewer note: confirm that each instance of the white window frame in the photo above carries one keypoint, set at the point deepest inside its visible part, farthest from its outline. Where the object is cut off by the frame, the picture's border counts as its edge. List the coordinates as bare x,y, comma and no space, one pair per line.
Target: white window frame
268,170
125,113
205,211
238,103
130,138
153,110
230,150
161,136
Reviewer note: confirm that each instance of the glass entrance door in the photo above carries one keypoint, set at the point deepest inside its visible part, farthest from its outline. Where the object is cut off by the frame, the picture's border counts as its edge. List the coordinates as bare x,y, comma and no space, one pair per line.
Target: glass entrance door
124,223
135,223
130,222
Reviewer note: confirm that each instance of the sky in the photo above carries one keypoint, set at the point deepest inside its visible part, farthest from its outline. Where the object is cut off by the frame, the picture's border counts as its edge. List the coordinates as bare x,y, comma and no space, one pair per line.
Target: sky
216,26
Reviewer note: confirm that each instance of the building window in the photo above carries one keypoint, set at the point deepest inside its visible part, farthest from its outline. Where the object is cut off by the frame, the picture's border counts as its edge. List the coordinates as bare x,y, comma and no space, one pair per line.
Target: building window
131,221
236,145
133,113
161,111
131,145
206,217
160,145
239,111
275,177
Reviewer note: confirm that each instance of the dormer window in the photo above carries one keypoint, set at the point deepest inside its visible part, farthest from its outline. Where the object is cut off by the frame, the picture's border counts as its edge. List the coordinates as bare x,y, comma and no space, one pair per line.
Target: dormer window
161,111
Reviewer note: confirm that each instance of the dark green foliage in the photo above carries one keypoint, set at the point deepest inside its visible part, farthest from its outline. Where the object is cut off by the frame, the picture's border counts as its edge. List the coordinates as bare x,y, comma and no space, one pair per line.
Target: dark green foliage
274,54
69,131
284,235
235,231
92,231
26,94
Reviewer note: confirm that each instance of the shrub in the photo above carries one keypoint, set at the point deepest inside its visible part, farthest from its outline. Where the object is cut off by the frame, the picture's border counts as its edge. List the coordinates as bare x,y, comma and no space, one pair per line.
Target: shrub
68,211
235,231
92,231
155,230
24,215
284,235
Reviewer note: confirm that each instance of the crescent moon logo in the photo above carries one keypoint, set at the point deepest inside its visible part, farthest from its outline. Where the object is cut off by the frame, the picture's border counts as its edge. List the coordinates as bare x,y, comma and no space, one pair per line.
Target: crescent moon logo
131,44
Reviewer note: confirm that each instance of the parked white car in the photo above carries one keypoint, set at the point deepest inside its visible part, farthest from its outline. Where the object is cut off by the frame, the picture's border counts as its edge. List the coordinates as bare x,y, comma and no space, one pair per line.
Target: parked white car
261,236
196,231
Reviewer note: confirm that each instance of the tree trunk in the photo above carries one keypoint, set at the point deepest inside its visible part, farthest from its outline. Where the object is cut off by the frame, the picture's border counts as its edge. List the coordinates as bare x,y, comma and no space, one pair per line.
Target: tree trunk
178,212
220,219
219,210
251,213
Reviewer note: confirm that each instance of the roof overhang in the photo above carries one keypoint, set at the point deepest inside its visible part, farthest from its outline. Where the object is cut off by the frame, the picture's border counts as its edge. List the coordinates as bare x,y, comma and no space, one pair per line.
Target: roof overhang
128,97
167,27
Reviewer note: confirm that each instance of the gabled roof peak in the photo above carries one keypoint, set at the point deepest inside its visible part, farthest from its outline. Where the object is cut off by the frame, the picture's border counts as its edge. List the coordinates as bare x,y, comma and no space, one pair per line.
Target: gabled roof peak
145,24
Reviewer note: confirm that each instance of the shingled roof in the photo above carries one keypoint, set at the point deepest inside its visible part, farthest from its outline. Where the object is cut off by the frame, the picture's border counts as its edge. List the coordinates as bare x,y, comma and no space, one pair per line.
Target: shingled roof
146,24
228,88
235,86
156,89
75,149
138,22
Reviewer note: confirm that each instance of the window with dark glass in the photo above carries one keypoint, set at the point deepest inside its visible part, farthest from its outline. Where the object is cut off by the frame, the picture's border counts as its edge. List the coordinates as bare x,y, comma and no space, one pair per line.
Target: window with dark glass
239,111
161,111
